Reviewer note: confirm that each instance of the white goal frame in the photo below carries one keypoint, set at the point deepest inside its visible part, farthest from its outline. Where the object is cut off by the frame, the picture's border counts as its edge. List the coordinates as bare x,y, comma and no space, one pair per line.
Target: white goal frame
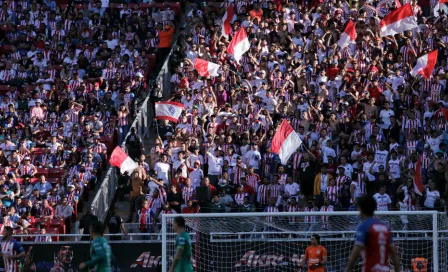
169,237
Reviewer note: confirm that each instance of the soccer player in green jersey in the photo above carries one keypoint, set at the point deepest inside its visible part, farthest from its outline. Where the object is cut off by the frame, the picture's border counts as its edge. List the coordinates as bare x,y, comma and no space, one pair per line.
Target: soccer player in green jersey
100,252
182,260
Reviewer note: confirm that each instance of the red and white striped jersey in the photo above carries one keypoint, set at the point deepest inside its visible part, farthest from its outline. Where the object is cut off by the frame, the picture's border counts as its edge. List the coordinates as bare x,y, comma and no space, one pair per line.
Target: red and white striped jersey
311,218
328,208
275,190
239,198
263,194
411,146
270,209
253,180
332,193
292,208
122,118
11,248
340,180
187,193
153,203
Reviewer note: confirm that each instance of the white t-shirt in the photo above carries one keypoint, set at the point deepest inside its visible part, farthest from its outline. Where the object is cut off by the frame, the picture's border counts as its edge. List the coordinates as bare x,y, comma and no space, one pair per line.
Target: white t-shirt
214,164
366,167
253,158
196,177
348,169
385,118
431,198
162,169
434,143
382,201
394,168
357,190
381,157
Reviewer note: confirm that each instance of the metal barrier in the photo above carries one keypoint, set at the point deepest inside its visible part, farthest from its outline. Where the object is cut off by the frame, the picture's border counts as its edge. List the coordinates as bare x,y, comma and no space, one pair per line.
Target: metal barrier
103,198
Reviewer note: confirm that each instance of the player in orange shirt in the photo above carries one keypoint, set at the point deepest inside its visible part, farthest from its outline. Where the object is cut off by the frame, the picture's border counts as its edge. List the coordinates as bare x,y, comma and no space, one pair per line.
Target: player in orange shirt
316,255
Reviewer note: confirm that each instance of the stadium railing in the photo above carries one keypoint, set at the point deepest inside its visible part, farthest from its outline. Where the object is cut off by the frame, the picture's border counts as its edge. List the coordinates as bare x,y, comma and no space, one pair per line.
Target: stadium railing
103,198
223,241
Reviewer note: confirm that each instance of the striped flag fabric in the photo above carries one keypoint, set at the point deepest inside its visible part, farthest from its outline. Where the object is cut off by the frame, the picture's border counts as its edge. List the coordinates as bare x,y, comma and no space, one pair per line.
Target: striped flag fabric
239,45
226,27
285,141
418,184
348,36
445,113
168,110
439,7
120,159
425,65
206,68
398,21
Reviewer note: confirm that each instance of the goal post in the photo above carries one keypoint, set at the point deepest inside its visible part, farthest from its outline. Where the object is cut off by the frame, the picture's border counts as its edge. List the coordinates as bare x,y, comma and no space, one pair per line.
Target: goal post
276,241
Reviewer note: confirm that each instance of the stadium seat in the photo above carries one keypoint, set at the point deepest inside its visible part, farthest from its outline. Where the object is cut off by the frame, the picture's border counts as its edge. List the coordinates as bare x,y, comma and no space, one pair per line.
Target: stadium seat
4,89
55,173
53,232
5,49
42,171
53,180
34,180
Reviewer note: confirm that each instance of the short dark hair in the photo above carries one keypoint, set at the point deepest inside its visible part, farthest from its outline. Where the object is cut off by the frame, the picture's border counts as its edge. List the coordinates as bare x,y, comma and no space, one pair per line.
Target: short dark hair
367,205
97,227
180,221
9,230
317,237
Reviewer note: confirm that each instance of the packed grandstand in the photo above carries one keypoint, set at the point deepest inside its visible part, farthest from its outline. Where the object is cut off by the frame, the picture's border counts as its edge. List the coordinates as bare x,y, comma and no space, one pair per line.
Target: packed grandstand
73,75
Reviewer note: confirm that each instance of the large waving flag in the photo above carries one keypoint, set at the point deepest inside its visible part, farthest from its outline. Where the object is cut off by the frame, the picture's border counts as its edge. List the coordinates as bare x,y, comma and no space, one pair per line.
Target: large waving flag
445,113
425,65
226,27
285,141
120,159
439,7
398,21
418,184
348,36
168,110
206,68
239,45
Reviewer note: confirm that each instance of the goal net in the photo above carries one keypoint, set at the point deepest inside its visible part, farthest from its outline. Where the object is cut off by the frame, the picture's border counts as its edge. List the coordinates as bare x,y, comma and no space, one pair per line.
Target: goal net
276,242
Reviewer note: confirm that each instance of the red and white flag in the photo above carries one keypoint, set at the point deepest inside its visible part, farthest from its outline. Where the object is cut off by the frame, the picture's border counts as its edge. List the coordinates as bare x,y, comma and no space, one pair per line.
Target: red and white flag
425,65
445,113
285,141
239,45
120,159
398,21
226,27
168,110
348,36
439,7
206,68
418,184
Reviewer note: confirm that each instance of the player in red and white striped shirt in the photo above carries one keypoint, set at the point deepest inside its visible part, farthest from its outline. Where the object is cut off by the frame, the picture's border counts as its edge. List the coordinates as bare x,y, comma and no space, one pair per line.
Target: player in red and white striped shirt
11,251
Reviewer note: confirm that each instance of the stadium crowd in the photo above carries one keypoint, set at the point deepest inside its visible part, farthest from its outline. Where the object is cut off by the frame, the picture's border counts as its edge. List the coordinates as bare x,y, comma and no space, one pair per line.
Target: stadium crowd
365,122
71,75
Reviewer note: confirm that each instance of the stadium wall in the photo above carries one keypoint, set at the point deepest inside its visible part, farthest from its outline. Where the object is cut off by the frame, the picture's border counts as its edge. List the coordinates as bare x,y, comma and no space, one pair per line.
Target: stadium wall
146,256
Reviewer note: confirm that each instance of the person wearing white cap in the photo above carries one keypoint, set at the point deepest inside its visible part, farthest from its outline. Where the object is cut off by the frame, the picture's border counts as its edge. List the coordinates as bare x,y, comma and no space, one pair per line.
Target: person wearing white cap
196,175
37,111
26,168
